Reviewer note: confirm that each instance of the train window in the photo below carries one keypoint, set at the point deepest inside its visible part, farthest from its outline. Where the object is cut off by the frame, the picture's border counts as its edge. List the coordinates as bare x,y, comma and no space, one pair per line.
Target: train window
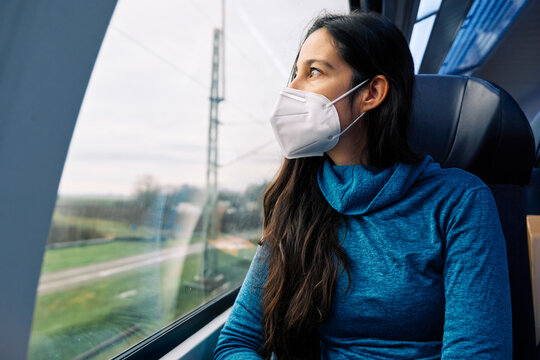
419,39
486,22
425,18
155,215
427,8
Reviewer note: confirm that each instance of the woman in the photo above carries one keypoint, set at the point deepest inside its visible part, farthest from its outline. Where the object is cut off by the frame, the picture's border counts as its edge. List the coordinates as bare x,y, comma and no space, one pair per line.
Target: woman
369,250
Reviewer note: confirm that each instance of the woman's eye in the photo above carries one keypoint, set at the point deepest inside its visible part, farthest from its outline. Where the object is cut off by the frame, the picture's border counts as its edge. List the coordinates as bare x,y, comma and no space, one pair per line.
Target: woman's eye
314,72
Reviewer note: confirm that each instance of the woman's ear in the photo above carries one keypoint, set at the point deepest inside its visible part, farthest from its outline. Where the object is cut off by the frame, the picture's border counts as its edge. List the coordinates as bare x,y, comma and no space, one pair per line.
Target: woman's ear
373,94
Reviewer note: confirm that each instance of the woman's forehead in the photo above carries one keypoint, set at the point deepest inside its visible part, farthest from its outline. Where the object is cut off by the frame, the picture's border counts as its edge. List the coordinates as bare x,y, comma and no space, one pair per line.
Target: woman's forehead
319,46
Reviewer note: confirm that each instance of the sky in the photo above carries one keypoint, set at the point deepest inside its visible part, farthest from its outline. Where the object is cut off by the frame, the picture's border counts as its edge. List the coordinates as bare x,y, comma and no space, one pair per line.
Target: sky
146,108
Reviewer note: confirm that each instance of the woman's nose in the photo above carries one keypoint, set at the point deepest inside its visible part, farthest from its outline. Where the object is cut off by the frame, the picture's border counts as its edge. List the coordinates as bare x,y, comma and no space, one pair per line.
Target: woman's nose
295,84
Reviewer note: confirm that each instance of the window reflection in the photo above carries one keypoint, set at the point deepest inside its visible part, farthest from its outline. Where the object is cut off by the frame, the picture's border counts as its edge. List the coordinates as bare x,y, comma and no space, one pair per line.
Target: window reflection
486,22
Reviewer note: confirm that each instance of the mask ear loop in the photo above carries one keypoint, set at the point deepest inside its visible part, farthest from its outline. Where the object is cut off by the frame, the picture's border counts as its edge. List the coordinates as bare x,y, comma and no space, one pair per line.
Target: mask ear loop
331,137
348,92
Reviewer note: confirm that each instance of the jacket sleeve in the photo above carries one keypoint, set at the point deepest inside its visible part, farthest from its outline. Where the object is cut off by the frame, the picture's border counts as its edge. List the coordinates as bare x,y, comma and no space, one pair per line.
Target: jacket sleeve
242,336
478,322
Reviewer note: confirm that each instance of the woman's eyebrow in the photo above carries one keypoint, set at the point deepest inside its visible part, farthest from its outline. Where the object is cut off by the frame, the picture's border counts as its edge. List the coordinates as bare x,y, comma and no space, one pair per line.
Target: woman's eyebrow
311,61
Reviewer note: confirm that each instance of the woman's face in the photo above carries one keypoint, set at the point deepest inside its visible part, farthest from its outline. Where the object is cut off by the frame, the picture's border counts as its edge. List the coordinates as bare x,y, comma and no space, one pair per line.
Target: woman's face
320,69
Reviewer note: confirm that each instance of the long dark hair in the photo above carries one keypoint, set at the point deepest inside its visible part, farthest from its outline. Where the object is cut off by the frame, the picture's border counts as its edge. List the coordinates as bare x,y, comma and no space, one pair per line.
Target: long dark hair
300,227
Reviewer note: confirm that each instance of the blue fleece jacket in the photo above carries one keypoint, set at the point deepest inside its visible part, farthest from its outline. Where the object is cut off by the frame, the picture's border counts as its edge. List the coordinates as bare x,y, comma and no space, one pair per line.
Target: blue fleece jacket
429,277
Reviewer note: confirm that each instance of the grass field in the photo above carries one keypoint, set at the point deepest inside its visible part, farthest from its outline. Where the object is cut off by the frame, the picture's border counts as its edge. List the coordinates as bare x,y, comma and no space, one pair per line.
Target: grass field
70,257
107,227
72,322
69,323
129,241
66,228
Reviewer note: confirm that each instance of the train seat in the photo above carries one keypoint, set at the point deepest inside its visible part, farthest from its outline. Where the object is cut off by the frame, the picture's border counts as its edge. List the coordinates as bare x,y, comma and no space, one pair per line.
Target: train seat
474,125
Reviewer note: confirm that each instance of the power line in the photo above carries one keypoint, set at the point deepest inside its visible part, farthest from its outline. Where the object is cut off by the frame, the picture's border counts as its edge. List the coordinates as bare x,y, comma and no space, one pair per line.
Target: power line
205,15
195,80
247,154
233,43
245,112
180,70
161,57
254,122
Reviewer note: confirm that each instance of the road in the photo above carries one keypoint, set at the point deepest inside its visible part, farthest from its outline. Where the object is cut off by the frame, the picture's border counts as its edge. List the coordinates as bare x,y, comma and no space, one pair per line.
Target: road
66,279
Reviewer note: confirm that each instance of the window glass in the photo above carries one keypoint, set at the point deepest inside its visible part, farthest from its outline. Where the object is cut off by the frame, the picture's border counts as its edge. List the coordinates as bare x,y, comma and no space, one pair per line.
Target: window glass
139,236
427,7
419,40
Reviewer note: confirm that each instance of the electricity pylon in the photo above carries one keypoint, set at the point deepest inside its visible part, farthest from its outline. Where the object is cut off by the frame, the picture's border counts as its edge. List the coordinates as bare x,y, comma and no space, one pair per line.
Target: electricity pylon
208,276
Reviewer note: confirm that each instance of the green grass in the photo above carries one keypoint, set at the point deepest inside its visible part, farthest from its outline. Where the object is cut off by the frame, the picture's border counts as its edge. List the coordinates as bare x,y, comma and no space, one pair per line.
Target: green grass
110,228
70,257
80,319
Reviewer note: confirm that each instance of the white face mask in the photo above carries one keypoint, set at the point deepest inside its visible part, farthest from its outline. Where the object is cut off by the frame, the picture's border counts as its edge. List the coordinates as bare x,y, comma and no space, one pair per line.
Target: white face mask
307,124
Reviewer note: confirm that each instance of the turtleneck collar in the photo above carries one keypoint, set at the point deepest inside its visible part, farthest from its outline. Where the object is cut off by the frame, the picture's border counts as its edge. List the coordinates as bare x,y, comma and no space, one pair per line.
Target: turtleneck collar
359,189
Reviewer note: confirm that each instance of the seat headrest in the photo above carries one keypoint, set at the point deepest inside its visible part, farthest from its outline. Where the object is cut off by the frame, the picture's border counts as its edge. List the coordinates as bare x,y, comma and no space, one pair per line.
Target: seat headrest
472,124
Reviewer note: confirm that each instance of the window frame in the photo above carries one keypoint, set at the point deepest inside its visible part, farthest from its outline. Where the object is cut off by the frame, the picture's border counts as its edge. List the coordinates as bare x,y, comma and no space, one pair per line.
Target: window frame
42,62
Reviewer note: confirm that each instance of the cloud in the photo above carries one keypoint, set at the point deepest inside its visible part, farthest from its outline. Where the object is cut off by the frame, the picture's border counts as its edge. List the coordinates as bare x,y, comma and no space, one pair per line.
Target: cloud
146,108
